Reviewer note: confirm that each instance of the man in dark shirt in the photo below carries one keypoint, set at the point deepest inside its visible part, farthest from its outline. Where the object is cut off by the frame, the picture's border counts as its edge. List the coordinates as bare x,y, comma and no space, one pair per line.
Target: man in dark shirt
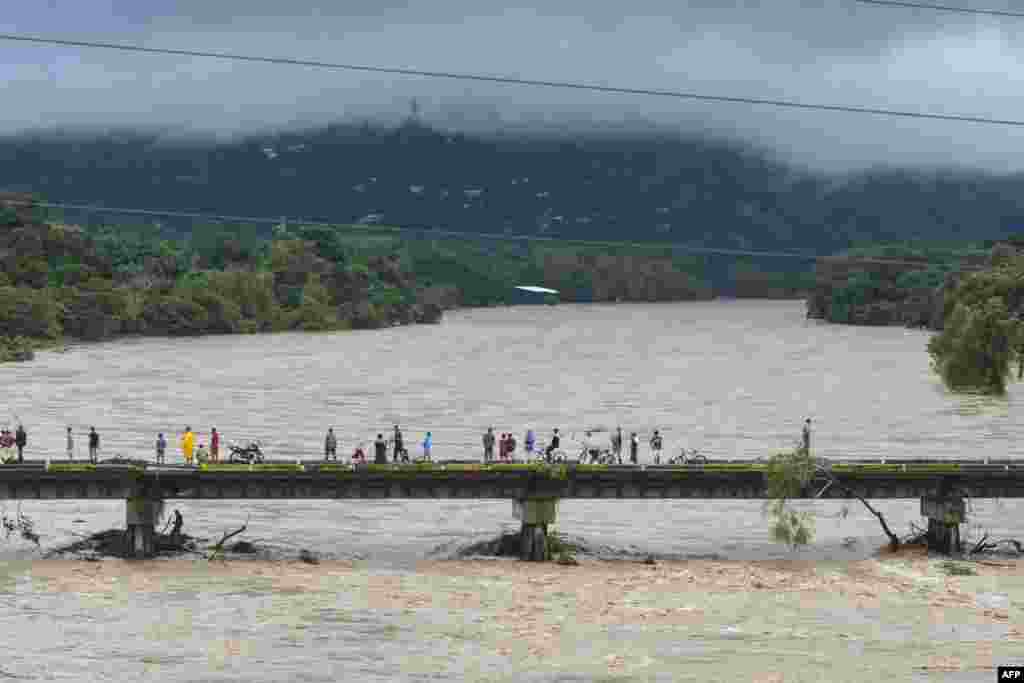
20,440
94,444
398,443
553,446
489,444
380,450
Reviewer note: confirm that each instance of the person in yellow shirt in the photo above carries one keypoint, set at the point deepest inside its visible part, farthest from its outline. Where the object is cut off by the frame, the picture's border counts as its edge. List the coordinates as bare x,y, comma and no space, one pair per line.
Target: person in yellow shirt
188,442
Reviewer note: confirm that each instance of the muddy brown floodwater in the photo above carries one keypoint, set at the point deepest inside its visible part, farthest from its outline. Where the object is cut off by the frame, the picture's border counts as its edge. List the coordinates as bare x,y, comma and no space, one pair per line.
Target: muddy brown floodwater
896,617
391,600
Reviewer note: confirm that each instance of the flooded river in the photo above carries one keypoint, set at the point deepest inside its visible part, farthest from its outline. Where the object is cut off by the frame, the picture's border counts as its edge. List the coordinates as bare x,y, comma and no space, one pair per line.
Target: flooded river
733,379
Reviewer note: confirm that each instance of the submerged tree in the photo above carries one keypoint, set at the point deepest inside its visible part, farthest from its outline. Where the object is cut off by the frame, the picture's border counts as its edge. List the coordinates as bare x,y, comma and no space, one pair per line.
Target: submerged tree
983,335
978,347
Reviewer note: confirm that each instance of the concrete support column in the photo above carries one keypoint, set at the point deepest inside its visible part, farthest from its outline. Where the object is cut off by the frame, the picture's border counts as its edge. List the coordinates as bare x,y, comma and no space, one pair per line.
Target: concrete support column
536,514
140,527
944,515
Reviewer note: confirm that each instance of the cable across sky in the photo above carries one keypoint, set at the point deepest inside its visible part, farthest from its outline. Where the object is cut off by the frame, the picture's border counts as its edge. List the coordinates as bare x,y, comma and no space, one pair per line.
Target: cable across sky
943,8
791,104
448,233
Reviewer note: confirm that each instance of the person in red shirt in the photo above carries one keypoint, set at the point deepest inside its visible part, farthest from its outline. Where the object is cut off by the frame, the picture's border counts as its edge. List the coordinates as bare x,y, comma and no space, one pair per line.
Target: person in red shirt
214,445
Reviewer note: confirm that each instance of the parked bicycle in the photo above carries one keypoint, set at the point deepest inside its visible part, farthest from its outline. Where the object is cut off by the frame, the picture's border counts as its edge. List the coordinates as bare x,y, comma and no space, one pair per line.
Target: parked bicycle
691,457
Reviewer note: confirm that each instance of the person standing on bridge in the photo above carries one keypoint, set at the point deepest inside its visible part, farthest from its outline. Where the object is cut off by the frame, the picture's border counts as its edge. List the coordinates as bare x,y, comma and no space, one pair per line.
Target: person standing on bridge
807,436
188,443
94,445
381,450
161,449
634,448
556,441
489,444
617,444
330,445
510,446
399,446
656,447
21,440
427,443
71,446
530,441
214,445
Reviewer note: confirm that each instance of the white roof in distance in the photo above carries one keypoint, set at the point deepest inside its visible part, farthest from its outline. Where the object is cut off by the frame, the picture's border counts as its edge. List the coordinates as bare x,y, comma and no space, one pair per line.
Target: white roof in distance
539,290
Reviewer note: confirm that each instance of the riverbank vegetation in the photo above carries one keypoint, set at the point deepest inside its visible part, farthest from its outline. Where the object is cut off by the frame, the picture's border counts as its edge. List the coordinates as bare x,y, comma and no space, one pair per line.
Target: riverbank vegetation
981,347
99,281
64,281
897,283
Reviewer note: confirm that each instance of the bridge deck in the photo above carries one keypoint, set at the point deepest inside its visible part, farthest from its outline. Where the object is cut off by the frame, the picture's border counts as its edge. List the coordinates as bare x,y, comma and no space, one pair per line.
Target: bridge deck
318,480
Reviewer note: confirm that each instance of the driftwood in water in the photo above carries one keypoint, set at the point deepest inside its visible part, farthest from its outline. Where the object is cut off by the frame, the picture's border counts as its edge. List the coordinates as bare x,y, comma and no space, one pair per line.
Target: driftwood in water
218,548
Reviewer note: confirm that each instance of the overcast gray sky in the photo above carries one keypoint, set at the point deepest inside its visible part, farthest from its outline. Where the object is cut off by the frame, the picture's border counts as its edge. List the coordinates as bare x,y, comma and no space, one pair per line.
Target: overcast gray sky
823,51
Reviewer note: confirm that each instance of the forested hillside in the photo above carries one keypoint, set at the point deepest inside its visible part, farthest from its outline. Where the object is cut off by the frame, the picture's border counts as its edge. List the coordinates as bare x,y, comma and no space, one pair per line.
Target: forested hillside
645,187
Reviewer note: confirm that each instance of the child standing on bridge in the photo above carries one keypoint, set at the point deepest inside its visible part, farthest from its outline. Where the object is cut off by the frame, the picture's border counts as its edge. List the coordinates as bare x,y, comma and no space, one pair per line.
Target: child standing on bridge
161,448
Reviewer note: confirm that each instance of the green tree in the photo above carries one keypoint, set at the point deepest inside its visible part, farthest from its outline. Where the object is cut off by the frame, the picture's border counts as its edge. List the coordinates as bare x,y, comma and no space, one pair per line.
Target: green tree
977,347
788,476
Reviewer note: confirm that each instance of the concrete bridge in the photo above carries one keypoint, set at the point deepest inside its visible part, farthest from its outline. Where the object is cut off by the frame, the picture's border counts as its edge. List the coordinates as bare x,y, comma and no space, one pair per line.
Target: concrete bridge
941,486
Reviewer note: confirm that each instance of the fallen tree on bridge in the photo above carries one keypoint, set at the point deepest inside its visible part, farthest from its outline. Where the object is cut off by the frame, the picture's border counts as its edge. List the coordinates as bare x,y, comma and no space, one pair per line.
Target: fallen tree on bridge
788,475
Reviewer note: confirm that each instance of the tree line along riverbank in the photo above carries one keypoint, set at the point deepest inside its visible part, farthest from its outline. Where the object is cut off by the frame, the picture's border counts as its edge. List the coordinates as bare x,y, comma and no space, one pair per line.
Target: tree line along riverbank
904,284
62,281
92,280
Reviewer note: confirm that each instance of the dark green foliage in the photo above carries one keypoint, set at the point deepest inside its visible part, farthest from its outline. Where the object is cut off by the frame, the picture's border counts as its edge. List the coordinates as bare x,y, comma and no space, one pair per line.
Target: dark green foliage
977,347
930,278
328,241
983,337
29,312
601,185
175,315
860,288
787,475
7,217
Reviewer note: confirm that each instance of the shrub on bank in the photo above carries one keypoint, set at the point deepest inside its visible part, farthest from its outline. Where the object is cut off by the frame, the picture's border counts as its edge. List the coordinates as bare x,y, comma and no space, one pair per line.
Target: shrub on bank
175,315
30,312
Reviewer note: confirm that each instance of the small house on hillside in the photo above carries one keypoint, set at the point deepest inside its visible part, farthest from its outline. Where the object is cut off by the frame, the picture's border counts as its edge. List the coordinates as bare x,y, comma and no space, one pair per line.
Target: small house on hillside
530,294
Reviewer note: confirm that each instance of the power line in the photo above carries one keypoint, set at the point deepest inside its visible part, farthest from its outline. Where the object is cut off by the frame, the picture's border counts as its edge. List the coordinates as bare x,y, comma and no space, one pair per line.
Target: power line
943,8
456,234
523,81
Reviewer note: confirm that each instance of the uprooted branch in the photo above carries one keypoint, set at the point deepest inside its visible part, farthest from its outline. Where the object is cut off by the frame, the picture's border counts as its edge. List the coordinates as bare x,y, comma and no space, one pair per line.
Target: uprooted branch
894,540
983,547
20,523
218,548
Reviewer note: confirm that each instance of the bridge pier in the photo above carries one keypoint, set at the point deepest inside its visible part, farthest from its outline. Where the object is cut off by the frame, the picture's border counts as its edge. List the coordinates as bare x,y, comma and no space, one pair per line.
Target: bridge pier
141,516
536,514
945,515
